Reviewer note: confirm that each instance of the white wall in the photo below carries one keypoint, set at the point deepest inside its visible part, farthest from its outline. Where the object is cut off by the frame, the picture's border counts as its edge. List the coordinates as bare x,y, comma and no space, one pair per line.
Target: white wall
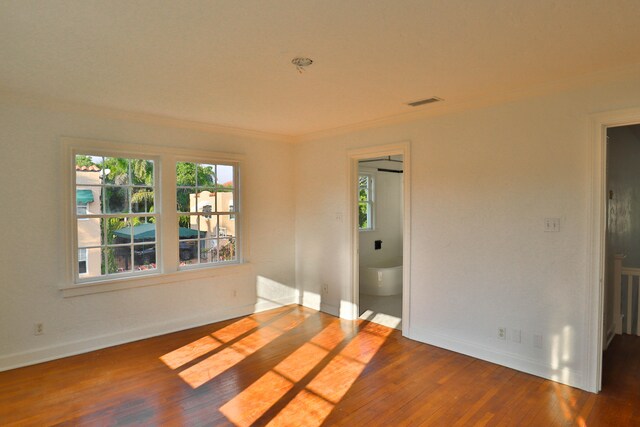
388,221
483,180
31,229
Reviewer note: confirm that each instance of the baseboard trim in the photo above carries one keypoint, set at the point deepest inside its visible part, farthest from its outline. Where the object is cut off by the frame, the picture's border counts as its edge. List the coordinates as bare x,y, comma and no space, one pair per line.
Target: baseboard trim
518,362
330,309
46,354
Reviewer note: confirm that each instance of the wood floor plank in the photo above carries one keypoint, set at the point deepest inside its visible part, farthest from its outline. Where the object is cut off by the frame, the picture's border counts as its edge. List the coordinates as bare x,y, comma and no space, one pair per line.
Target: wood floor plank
295,366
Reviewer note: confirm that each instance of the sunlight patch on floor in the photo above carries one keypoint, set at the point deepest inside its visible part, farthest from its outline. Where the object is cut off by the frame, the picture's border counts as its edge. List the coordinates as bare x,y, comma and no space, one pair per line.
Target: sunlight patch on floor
382,319
322,391
230,349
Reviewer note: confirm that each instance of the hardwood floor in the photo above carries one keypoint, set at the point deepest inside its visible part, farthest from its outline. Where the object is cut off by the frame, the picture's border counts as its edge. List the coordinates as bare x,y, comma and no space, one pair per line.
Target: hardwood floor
294,366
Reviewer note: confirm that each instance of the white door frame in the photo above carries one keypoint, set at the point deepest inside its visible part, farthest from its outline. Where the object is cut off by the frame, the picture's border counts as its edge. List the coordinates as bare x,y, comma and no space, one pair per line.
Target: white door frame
401,148
594,316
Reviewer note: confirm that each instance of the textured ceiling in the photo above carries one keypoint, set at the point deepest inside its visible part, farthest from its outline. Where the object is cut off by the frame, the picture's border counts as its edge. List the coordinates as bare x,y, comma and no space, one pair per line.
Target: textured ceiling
228,62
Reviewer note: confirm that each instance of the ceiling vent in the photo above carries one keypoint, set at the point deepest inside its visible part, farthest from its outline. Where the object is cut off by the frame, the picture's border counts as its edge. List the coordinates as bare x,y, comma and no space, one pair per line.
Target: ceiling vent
425,101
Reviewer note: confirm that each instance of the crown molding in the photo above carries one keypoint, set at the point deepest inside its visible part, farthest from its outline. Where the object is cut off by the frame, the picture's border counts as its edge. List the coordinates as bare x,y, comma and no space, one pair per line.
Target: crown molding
55,104
446,108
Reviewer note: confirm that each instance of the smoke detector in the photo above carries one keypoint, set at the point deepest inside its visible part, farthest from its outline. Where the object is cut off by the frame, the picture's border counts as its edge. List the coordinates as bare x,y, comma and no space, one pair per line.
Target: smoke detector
301,63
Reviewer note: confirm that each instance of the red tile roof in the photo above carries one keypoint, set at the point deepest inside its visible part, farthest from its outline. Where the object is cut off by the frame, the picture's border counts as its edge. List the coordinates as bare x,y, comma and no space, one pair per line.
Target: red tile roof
92,168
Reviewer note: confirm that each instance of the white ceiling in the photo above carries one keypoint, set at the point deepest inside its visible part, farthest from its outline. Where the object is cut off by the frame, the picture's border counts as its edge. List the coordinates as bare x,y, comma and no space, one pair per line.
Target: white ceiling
227,62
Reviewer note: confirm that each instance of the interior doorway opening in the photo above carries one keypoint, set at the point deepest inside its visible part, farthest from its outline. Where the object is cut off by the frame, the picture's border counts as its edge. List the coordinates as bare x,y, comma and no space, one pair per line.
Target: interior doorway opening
621,296
380,242
380,260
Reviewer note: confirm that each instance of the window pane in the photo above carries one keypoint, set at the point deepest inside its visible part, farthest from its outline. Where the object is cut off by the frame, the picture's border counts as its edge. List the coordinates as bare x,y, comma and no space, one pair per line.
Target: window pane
188,227
208,225
89,232
88,169
116,170
206,197
142,172
144,257
91,264
186,198
206,175
225,200
227,250
188,251
142,199
118,259
119,230
208,251
116,199
363,215
82,261
144,229
226,226
364,194
225,177
81,209
185,174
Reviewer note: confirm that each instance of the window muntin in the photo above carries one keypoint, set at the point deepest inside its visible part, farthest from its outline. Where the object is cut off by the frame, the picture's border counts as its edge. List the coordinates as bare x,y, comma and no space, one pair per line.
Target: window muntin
117,232
206,230
365,202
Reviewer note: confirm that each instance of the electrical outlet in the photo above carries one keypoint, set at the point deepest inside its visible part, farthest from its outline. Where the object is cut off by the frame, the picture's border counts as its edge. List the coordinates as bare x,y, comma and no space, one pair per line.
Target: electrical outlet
516,335
551,224
502,333
38,329
325,289
235,293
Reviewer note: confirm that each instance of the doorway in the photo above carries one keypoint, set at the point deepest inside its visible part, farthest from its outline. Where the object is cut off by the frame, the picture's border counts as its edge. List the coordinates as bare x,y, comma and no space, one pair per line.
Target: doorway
621,317
598,309
380,234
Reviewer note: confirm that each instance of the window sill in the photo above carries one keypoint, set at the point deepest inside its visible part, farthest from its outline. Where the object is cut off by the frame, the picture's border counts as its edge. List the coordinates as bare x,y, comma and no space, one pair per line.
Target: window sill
89,288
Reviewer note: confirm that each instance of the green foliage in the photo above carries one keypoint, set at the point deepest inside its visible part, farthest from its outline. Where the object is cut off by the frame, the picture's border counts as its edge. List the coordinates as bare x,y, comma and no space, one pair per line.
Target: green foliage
83,160
363,218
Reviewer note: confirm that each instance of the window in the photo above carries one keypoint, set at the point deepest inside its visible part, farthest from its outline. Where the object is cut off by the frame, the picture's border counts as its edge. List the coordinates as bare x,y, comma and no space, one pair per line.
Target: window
82,261
125,225
365,201
206,231
118,236
81,208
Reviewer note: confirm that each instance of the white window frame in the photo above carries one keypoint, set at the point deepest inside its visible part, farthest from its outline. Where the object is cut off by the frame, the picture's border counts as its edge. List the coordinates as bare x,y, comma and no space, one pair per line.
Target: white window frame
165,159
215,212
157,214
371,223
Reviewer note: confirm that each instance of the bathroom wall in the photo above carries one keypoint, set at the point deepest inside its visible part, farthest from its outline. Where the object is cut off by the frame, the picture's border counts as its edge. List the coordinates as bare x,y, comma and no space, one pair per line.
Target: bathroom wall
387,220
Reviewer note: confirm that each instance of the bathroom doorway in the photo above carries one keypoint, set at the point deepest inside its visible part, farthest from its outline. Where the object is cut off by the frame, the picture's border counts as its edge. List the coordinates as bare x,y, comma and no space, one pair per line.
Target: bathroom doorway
380,224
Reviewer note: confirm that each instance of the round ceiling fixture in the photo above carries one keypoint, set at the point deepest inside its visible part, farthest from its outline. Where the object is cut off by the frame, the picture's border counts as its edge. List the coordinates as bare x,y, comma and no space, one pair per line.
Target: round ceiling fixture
301,62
